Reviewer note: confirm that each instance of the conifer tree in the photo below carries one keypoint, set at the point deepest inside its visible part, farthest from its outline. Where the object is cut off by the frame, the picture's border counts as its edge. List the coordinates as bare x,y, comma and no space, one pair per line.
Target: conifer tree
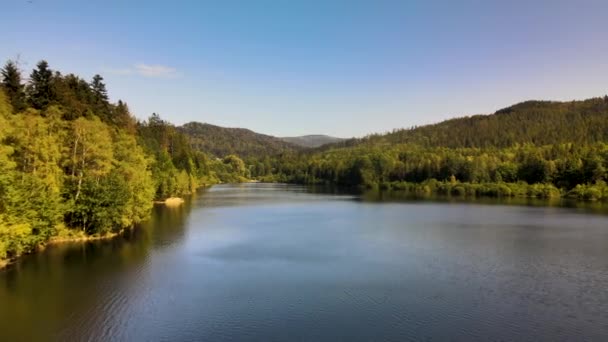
40,89
11,82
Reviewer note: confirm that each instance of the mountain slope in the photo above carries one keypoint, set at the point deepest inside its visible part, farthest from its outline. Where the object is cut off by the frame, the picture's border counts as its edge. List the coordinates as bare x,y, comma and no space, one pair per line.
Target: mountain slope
313,140
221,141
530,122
531,149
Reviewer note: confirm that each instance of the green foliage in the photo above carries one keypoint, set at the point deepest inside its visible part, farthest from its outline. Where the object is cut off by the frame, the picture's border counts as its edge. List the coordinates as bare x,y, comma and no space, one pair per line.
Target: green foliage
459,189
237,166
532,122
73,159
591,192
40,90
551,171
558,144
100,206
312,141
221,141
179,168
11,83
133,166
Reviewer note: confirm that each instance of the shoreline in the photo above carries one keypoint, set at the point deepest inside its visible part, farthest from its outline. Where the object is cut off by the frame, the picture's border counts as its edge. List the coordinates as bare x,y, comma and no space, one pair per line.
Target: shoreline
55,241
442,189
171,201
80,237
84,238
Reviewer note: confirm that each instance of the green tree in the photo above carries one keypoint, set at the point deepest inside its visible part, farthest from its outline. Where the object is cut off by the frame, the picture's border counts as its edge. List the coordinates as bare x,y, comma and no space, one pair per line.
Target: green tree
236,164
99,89
37,155
40,89
122,117
101,107
133,167
88,160
11,82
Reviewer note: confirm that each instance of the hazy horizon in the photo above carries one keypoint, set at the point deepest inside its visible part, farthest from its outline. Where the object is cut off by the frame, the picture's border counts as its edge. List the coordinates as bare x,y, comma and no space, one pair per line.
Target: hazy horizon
342,69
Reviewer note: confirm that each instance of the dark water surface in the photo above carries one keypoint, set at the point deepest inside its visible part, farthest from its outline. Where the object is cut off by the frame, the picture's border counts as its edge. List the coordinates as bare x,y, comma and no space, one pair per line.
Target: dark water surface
262,262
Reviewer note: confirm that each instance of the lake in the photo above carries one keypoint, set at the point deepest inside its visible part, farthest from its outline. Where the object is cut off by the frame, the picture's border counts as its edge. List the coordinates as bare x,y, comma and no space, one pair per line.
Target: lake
266,262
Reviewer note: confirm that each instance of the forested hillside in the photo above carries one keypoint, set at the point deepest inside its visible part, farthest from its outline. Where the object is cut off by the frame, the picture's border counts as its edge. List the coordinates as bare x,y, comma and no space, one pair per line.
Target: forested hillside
221,141
535,149
311,141
74,164
530,122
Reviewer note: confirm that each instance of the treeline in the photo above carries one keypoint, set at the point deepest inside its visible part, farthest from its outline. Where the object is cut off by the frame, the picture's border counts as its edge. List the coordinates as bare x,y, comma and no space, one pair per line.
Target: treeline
577,170
74,164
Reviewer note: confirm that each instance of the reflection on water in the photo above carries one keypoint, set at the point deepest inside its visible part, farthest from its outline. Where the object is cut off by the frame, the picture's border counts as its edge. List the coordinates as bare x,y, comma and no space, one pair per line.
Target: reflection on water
387,196
68,286
281,262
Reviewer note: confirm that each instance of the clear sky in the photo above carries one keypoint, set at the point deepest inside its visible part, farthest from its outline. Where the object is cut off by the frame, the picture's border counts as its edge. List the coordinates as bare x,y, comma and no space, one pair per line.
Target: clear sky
344,68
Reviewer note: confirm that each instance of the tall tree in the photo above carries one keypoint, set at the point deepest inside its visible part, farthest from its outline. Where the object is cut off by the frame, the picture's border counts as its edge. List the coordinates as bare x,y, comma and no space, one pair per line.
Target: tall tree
40,89
37,152
11,82
89,161
91,152
99,88
101,106
121,116
134,168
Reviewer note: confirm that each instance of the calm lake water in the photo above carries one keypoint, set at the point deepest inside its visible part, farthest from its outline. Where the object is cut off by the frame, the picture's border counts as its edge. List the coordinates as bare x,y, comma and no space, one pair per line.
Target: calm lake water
261,262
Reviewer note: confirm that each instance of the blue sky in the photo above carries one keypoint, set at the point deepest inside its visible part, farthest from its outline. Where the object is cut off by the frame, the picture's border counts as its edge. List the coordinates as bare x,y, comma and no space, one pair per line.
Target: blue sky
344,68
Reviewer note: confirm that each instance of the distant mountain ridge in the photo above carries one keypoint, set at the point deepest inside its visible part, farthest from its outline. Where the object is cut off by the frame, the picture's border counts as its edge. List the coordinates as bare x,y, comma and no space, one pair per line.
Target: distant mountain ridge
312,140
222,141
530,122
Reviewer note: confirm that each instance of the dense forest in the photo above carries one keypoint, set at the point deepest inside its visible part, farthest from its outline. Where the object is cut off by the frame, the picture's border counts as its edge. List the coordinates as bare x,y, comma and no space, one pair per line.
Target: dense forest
313,140
221,141
531,122
72,164
533,149
577,171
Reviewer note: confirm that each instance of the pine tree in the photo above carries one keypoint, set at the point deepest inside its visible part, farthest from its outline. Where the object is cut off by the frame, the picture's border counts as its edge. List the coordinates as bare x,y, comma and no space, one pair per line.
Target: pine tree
99,88
11,82
121,116
101,106
40,89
